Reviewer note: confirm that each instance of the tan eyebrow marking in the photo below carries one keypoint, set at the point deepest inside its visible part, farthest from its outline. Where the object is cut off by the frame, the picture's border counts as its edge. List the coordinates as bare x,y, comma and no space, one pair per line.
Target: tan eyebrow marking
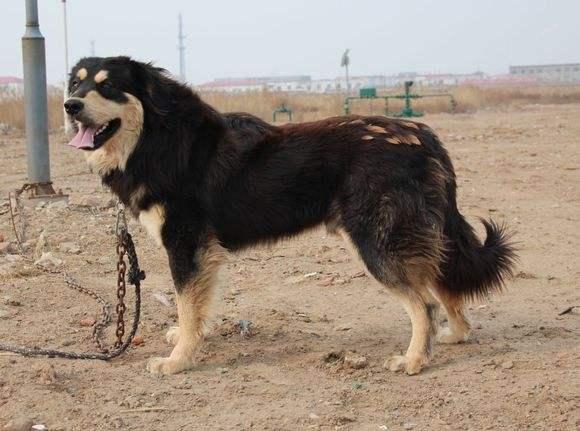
101,76
82,73
376,129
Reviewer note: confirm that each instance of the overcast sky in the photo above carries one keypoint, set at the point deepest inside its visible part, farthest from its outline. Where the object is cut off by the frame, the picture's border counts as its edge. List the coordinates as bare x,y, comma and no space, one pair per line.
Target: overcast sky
280,37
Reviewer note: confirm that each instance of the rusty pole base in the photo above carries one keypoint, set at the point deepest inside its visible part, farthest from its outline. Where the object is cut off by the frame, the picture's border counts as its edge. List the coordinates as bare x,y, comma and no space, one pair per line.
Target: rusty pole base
43,192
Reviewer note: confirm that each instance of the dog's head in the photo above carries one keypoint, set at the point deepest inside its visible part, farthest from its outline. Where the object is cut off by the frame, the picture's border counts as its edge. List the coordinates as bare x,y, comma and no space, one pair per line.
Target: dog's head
105,106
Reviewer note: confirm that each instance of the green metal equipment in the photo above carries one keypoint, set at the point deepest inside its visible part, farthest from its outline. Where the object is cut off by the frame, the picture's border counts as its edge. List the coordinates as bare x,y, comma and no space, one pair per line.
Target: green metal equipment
371,93
282,109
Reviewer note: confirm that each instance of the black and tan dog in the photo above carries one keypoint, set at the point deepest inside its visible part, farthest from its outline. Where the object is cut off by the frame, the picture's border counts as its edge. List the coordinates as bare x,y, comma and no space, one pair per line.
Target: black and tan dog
204,184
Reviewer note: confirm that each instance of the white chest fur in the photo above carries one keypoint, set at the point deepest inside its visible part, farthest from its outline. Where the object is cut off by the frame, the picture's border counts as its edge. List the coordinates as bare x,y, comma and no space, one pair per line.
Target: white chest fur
152,220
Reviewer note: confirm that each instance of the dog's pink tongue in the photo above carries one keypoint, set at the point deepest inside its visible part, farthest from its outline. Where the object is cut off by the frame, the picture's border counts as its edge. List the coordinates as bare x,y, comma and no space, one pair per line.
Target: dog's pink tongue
84,137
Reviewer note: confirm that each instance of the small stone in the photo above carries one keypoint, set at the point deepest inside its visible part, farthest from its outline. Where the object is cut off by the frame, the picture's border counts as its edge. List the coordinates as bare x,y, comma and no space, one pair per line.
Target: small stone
41,245
245,328
48,261
333,356
46,375
6,248
118,423
131,402
8,300
355,361
88,201
69,247
18,425
7,269
39,427
343,328
508,365
409,425
137,340
295,279
4,314
87,321
162,298
313,416
109,203
13,258
223,370
327,281
58,205
344,419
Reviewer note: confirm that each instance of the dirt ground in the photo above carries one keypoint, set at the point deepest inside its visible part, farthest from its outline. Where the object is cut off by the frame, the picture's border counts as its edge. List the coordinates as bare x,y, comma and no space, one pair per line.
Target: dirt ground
306,299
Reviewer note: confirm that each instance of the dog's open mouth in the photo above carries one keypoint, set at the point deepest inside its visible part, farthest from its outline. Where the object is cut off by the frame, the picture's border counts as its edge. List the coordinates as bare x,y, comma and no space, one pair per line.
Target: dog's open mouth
90,138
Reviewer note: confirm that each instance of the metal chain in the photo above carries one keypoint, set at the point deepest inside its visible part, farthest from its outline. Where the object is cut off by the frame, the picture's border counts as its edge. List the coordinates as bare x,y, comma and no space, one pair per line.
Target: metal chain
125,245
16,195
121,290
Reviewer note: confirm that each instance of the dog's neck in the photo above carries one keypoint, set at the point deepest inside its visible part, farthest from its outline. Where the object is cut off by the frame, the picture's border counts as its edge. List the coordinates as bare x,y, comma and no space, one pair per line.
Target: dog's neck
173,163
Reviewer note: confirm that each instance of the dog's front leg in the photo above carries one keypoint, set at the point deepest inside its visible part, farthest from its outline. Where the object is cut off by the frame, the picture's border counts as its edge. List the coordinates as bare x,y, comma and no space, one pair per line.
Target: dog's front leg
194,271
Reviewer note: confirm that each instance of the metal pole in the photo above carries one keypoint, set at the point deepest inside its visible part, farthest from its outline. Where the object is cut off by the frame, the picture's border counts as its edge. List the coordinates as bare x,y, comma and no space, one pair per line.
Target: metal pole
181,48
67,125
34,66
92,48
347,86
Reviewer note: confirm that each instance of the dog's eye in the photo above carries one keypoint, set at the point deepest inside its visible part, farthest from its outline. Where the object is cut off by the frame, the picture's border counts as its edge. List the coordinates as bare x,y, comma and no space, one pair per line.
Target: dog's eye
106,85
74,84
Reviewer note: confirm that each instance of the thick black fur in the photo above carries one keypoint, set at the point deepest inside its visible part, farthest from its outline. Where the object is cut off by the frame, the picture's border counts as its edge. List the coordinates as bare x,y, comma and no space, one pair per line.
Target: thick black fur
244,182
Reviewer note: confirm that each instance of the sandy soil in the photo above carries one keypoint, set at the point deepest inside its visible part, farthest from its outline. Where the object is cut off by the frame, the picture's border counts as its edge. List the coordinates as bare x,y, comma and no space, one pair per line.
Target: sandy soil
307,298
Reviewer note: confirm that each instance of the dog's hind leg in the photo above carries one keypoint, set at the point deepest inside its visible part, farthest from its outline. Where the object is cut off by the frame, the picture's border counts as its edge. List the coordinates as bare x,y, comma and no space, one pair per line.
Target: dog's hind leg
404,257
421,306
459,326
195,289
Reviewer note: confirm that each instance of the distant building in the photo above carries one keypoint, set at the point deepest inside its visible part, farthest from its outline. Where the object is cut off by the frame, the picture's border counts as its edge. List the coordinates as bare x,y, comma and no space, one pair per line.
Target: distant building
447,79
11,83
272,83
565,73
502,80
519,75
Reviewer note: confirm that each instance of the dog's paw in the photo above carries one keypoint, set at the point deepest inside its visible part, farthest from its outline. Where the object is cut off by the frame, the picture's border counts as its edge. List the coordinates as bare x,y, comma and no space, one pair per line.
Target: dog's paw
172,335
167,366
410,366
445,336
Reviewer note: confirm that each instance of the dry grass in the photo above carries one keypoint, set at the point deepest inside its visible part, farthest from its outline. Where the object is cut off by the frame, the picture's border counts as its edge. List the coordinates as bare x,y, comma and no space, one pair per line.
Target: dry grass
309,107
12,109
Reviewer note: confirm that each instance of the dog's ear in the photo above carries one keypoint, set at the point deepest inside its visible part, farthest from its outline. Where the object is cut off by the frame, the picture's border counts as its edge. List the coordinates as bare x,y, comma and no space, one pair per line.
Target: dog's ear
154,87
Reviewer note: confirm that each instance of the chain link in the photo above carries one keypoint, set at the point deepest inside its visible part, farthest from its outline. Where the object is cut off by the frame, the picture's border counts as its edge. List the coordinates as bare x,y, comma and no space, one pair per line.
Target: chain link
124,246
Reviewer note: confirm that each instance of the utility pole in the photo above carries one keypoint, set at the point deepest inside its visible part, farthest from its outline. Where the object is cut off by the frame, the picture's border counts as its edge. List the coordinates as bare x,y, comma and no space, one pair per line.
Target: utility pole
344,62
92,48
67,125
181,49
34,67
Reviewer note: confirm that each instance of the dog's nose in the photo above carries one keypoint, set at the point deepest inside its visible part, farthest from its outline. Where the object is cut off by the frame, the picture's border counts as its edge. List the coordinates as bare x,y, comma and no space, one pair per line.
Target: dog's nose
73,106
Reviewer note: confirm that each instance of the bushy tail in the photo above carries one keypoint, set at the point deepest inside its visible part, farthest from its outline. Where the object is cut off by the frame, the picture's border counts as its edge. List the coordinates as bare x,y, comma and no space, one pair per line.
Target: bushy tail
472,269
